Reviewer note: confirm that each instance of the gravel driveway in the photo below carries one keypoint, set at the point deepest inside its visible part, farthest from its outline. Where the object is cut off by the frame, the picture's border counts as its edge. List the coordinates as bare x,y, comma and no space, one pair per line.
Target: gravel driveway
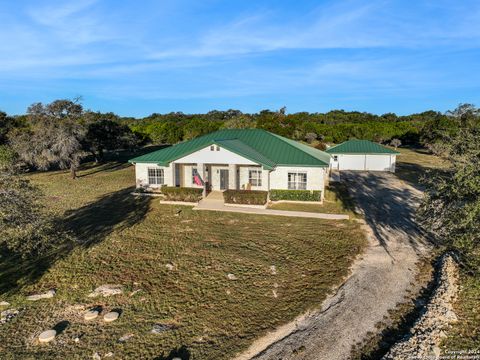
380,278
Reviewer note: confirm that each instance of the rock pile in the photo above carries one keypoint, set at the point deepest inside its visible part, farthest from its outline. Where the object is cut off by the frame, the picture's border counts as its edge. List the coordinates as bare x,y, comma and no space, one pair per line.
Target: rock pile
425,337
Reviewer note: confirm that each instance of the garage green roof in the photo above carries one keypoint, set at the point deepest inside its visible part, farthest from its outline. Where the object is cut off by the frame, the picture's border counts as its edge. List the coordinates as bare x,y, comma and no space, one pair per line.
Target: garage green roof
355,146
260,146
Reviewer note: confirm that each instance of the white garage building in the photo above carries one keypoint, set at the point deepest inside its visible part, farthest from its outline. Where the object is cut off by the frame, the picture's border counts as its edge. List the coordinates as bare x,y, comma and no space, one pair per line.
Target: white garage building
362,155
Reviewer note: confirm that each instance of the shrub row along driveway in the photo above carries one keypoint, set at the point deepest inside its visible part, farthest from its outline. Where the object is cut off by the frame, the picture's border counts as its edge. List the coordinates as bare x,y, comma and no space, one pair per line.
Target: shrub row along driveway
380,279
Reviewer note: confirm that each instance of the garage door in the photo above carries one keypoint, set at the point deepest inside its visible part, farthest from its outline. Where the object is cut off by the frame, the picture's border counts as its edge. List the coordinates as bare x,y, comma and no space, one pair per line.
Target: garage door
364,162
351,162
378,162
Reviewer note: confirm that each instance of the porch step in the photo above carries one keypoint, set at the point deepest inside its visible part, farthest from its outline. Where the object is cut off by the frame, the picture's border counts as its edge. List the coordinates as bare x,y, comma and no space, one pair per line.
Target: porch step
213,199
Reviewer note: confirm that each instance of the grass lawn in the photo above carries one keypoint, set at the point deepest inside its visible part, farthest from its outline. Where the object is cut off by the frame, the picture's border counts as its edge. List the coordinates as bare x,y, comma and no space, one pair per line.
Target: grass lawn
129,241
337,201
413,163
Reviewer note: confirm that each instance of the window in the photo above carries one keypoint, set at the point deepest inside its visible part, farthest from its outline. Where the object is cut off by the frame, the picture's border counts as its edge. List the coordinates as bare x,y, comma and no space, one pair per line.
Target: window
194,173
218,148
335,157
255,177
155,176
297,181
212,148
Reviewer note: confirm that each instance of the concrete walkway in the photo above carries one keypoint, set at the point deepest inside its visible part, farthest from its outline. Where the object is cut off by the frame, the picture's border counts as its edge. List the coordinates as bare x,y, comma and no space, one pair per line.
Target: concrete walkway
214,202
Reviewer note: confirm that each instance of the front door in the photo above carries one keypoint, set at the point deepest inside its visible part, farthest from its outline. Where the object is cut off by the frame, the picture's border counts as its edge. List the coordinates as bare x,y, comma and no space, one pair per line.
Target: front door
223,179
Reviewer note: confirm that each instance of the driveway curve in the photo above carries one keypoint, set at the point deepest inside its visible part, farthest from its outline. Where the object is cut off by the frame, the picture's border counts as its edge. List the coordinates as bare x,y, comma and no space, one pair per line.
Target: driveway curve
379,280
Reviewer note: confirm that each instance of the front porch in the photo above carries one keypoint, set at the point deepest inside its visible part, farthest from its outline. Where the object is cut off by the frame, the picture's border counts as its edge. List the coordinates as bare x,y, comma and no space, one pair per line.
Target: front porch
220,177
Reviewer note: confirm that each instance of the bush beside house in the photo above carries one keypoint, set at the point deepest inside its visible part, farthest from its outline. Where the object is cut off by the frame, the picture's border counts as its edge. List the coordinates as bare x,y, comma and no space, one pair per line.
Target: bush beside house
247,197
182,194
295,195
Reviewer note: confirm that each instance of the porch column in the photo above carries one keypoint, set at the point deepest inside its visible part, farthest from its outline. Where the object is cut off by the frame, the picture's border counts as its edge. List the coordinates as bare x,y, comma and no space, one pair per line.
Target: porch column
173,169
202,172
232,176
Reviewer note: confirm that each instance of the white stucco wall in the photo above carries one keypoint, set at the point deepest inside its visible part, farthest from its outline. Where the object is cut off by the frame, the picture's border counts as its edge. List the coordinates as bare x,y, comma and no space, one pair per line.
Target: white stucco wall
365,162
141,174
315,177
222,156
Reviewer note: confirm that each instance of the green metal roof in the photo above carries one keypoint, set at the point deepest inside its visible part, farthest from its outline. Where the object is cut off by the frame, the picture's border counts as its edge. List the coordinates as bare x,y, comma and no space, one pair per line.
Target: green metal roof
259,146
355,146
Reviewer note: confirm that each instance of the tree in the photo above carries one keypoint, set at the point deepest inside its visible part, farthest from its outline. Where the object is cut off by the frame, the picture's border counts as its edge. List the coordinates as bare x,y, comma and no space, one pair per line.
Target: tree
25,229
310,137
240,122
451,207
7,123
8,159
54,137
467,115
108,135
395,143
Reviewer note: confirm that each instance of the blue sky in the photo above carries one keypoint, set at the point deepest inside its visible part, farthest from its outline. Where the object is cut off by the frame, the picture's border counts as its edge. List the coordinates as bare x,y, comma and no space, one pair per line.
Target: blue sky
139,57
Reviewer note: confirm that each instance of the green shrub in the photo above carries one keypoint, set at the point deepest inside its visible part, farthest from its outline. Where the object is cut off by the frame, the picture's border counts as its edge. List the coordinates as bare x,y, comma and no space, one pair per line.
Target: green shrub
295,195
182,193
250,197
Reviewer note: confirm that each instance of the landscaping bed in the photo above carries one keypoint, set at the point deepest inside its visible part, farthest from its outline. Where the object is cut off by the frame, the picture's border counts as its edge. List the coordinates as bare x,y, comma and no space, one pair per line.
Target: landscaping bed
295,195
245,197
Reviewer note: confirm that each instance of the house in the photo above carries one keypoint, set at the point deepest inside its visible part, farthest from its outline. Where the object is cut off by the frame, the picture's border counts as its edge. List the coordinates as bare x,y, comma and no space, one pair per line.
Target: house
362,155
250,159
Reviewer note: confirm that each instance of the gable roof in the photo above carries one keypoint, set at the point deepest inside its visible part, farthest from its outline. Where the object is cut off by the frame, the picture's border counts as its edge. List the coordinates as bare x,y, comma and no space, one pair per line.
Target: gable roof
257,145
355,146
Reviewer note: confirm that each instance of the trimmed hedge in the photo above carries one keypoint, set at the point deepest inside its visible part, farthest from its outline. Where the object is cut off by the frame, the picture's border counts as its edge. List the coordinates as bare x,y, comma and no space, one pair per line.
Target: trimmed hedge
296,195
249,197
182,193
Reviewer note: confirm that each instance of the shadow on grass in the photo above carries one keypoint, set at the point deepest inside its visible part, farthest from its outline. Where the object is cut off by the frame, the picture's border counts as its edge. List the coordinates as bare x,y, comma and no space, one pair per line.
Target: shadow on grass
89,225
343,195
411,174
113,160
181,353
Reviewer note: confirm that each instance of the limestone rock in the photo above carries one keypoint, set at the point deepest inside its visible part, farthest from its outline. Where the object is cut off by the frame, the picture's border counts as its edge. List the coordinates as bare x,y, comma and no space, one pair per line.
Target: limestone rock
231,277
159,328
4,303
7,315
47,336
106,290
170,267
134,292
436,317
90,315
273,270
125,338
49,294
111,316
